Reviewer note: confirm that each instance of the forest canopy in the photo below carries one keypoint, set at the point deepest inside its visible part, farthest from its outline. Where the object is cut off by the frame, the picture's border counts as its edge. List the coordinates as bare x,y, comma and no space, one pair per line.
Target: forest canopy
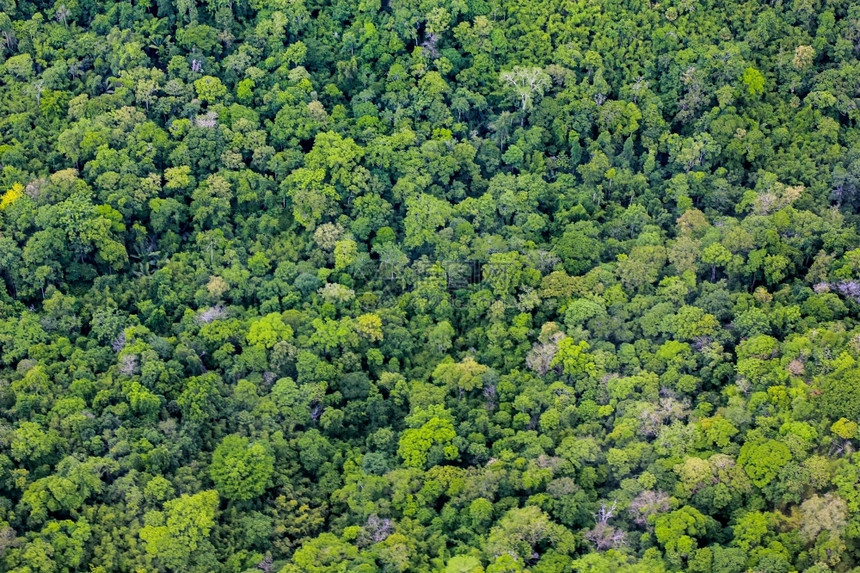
476,286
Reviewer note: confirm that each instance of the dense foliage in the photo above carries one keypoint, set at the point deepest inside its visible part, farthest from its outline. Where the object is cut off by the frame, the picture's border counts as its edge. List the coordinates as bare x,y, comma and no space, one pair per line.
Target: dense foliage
413,285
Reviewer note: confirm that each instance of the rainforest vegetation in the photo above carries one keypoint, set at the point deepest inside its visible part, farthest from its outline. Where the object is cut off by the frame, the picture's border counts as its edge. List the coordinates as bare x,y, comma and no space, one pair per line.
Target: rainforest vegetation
468,286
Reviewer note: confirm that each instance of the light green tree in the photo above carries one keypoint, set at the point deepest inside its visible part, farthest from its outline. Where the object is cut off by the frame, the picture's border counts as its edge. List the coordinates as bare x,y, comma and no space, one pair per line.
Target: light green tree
677,531
425,214
209,89
175,534
716,255
464,564
268,330
763,460
465,375
754,81
241,469
431,443
574,359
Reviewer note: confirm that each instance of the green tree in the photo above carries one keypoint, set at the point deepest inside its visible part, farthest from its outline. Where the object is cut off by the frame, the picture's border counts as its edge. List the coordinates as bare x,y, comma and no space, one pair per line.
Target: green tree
465,376
269,330
240,469
574,359
464,564
678,531
209,89
763,460
311,196
323,554
754,81
429,444
181,531
523,531
425,214
716,255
